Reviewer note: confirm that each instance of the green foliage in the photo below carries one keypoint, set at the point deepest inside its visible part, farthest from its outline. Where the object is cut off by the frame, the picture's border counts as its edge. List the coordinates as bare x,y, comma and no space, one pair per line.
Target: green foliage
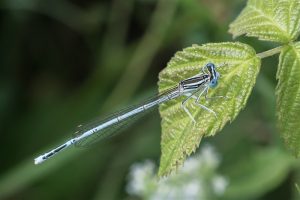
271,20
50,84
288,96
180,136
276,21
279,21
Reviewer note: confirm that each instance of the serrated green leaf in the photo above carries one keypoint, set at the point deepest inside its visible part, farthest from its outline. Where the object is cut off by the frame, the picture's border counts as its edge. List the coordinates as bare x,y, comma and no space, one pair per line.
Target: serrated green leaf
180,136
271,20
288,96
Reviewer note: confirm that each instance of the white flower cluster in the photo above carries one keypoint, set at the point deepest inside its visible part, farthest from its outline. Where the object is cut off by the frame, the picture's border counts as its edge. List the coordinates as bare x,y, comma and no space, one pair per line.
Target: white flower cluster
197,179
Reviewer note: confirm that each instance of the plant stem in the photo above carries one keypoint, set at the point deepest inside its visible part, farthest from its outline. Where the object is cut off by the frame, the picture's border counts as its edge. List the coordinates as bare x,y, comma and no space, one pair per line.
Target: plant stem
270,52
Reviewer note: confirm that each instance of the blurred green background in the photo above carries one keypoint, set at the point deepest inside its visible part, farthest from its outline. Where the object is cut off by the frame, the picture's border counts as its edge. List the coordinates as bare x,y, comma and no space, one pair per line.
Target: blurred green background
67,62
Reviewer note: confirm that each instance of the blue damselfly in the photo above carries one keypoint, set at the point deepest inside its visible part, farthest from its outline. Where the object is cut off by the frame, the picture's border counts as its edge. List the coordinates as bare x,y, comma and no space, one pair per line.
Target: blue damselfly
198,84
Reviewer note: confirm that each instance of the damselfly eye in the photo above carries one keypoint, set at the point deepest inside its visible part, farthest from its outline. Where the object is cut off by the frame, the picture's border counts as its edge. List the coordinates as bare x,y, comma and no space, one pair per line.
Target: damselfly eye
213,83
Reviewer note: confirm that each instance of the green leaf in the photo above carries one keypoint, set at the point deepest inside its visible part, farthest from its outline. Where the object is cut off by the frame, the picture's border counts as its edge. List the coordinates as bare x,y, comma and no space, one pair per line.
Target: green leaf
288,96
271,20
180,136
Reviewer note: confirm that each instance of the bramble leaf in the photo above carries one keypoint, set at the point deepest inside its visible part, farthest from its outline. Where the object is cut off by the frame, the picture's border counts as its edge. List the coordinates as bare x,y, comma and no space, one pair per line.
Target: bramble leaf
238,66
288,96
271,20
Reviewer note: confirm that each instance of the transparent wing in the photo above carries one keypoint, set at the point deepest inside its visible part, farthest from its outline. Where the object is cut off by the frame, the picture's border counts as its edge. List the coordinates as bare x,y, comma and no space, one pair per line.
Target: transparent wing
105,132
114,128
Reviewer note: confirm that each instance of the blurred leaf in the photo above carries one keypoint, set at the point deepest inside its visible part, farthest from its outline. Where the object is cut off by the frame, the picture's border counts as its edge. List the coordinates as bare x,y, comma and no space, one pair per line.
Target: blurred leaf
180,136
277,20
297,187
257,173
288,96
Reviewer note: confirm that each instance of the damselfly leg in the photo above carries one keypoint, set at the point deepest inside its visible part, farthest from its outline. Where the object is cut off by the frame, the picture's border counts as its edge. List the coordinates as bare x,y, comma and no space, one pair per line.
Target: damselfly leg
197,99
214,97
185,108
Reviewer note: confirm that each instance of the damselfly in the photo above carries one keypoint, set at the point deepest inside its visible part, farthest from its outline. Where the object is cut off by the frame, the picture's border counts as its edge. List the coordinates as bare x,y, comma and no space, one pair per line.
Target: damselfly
198,84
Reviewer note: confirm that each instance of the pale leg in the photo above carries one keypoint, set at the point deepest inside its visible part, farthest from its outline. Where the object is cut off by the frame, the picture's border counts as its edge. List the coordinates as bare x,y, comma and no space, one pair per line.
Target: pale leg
212,98
184,107
202,106
197,103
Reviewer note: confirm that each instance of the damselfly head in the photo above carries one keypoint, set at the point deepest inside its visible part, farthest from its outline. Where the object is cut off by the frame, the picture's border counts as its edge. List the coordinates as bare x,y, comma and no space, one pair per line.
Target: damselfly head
214,75
212,70
210,66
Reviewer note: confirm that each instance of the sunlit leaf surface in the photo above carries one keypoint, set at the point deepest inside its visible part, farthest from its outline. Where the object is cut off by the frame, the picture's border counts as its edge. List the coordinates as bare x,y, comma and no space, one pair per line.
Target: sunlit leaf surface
288,96
238,66
271,20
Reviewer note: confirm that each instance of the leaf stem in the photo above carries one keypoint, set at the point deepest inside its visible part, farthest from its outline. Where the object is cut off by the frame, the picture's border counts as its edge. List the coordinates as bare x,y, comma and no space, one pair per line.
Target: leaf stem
270,52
